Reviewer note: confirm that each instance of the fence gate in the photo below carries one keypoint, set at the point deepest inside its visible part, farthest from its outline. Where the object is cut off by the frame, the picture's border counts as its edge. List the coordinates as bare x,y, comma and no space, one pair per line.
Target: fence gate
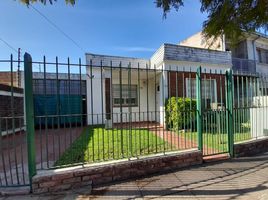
214,105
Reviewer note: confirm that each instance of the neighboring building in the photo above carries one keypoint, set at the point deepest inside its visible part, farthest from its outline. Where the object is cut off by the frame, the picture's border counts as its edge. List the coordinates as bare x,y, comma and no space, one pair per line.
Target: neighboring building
11,109
250,56
122,89
5,78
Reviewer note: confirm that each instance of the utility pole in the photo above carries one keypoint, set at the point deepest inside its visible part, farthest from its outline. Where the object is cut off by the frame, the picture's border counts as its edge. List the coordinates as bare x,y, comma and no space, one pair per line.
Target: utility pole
19,54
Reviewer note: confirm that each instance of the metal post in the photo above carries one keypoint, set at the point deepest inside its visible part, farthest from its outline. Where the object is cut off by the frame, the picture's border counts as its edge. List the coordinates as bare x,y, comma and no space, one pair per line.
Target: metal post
229,106
199,109
29,112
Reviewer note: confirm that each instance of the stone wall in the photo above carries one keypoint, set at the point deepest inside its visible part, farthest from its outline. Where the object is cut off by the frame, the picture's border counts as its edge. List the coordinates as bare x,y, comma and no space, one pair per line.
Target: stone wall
95,174
251,147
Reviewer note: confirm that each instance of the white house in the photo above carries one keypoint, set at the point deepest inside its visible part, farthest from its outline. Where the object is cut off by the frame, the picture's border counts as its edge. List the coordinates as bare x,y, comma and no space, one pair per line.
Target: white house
123,89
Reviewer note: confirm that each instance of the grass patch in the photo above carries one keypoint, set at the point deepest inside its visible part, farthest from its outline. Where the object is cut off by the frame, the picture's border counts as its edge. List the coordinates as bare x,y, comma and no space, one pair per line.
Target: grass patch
99,144
217,141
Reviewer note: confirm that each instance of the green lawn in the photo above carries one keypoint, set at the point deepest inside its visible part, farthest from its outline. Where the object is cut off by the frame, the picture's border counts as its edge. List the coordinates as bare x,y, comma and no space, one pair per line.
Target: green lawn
98,144
217,141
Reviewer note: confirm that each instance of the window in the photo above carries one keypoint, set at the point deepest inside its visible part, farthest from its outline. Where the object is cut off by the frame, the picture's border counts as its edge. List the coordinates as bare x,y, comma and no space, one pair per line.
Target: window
208,89
129,95
262,55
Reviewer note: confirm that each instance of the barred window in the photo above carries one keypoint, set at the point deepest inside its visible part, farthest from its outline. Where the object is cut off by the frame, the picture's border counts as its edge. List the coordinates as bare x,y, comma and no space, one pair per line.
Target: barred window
209,91
129,95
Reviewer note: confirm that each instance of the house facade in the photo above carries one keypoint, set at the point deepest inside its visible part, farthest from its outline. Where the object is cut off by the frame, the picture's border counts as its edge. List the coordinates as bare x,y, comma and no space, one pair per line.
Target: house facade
249,56
123,89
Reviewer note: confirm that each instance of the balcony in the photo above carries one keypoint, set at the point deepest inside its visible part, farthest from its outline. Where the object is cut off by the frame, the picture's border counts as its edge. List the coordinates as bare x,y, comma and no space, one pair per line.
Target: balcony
243,66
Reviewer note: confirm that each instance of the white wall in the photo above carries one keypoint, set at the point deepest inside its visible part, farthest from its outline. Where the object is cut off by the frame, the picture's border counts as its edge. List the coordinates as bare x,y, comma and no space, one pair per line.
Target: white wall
142,91
259,117
94,97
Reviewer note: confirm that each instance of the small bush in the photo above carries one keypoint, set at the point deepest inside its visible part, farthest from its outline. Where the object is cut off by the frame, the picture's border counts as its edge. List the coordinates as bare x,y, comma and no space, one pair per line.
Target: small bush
180,113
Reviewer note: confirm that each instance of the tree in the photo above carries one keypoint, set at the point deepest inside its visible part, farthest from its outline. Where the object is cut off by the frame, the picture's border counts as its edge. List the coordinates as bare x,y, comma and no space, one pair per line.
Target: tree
227,17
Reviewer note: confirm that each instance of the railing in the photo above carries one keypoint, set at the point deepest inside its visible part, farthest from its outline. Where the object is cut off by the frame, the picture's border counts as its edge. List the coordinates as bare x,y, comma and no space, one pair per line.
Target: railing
81,114
243,66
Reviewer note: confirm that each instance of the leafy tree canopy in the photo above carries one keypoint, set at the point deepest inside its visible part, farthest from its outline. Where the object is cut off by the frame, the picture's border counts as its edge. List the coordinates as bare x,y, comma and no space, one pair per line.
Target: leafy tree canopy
228,17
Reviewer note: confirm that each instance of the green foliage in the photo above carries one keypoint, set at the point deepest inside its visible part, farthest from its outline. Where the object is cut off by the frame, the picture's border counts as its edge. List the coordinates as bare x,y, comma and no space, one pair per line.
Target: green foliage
180,113
228,17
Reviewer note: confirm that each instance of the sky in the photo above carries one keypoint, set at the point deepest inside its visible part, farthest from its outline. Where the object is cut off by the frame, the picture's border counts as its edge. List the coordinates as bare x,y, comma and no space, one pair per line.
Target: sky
119,27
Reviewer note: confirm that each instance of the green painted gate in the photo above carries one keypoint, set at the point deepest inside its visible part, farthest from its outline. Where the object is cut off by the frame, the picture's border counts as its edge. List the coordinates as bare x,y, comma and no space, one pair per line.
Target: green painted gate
215,112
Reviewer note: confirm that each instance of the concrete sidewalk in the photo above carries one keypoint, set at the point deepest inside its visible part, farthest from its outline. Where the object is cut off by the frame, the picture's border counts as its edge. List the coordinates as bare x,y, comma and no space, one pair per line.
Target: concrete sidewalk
243,178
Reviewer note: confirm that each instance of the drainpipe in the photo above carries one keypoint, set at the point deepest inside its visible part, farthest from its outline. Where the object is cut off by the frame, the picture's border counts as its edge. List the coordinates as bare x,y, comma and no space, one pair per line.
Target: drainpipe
254,51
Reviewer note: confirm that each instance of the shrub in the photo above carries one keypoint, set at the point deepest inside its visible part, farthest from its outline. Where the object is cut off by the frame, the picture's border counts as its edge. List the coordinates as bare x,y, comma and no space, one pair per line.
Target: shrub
180,112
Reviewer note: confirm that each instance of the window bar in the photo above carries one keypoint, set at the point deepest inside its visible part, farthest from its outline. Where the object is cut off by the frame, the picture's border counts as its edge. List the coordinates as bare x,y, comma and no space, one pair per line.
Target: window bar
69,115
163,108
80,93
243,109
216,112
211,114
53,139
98,132
58,104
256,107
261,95
221,114
139,102
191,107
2,152
92,112
169,99
117,137
147,99
9,147
206,110
21,150
247,95
265,96
111,105
155,110
239,107
121,110
13,118
102,114
81,99
184,108
130,110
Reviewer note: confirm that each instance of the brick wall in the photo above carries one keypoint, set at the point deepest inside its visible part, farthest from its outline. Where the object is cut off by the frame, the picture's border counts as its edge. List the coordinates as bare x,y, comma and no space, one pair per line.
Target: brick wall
5,78
251,148
6,109
182,79
63,179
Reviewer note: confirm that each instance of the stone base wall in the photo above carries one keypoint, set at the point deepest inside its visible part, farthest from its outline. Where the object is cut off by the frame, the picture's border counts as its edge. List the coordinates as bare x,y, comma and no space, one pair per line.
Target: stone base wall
251,147
95,174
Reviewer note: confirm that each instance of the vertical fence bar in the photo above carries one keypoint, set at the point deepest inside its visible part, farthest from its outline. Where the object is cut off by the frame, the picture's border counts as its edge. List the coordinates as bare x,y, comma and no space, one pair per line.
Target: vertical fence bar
199,109
29,109
229,105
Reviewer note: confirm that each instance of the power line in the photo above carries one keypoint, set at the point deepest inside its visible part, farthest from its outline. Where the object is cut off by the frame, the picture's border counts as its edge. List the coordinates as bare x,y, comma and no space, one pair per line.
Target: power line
58,28
9,45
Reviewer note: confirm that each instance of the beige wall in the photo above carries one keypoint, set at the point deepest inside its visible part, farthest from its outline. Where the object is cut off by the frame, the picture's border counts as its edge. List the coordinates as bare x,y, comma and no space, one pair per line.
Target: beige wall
198,40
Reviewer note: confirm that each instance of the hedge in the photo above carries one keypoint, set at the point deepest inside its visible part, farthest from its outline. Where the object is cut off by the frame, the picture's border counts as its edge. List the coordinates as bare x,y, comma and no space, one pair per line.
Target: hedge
180,113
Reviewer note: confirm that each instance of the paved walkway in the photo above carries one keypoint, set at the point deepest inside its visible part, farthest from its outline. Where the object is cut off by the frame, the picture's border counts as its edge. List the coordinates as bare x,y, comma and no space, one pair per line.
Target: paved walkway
243,178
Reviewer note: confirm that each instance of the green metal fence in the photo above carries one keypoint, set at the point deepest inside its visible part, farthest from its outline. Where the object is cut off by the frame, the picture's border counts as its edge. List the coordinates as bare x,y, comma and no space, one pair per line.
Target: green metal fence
102,111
